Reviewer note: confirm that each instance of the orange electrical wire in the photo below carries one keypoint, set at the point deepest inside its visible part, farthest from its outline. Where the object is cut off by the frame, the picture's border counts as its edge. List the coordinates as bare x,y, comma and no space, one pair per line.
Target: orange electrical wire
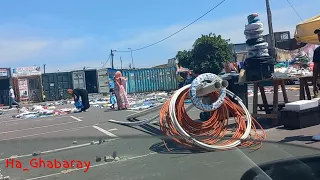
214,130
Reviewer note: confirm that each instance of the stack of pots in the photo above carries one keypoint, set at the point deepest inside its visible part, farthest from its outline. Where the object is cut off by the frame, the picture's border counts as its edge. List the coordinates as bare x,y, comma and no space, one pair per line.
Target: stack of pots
259,65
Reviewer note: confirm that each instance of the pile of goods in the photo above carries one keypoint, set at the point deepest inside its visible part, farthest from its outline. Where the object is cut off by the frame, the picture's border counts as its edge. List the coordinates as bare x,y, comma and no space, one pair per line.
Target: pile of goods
259,64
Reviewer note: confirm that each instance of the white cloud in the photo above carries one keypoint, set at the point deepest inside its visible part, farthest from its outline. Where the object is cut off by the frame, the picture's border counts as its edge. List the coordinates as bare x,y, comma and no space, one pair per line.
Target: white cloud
73,66
16,50
97,64
74,43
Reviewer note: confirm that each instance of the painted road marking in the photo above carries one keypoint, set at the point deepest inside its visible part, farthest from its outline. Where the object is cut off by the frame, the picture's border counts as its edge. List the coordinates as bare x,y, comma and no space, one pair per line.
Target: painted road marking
69,129
75,118
130,110
96,165
114,129
38,127
29,120
104,131
59,149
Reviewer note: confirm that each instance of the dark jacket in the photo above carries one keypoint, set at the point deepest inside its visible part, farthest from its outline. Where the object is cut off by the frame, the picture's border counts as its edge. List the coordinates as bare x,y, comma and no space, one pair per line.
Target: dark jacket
77,93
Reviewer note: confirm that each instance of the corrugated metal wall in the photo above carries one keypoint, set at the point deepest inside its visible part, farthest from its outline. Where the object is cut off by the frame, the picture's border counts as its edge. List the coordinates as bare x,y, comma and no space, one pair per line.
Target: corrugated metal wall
103,81
78,79
56,85
4,91
5,82
149,80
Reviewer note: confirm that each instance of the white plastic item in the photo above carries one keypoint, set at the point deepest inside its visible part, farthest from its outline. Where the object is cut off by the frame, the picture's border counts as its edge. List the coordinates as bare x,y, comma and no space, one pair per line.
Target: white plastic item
301,105
258,53
263,45
316,99
254,26
255,36
253,32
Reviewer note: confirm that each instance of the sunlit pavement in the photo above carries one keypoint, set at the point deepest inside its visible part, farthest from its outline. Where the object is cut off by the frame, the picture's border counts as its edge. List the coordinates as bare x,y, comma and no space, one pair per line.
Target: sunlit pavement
140,153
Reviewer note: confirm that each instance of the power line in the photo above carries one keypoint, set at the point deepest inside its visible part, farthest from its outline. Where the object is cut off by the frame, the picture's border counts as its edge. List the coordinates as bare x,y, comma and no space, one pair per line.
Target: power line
178,30
294,10
106,61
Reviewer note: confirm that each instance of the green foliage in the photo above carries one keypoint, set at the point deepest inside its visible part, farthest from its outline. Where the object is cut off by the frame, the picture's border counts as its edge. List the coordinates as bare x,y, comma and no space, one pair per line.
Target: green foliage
208,54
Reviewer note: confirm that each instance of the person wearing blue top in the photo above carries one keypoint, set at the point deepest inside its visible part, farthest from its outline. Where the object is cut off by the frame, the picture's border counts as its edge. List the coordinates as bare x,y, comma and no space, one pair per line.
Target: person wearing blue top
113,99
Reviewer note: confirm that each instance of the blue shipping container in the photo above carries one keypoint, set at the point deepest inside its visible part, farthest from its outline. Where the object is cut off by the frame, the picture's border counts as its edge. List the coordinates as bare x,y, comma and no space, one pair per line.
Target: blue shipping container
111,73
151,79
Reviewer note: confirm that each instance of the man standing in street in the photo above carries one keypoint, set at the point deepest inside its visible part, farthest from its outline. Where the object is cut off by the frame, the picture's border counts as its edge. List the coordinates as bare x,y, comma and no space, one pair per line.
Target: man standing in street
12,97
316,67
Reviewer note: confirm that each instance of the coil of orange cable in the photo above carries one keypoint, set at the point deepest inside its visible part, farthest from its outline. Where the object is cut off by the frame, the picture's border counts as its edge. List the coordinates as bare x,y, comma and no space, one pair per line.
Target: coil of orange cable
210,134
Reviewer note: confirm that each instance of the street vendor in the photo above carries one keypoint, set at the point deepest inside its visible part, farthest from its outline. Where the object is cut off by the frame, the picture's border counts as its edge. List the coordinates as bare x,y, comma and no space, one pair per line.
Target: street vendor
77,93
316,66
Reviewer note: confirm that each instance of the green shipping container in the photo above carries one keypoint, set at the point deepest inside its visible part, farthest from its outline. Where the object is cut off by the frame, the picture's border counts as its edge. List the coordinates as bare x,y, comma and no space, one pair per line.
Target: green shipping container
151,79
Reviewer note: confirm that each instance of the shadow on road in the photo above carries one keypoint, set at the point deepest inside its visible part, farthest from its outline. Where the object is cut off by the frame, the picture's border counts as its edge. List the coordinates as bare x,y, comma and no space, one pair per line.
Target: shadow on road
173,148
307,139
146,128
160,147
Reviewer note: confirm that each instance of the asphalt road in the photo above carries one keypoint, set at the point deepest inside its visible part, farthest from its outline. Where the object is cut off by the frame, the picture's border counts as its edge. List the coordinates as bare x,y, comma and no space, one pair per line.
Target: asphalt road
141,153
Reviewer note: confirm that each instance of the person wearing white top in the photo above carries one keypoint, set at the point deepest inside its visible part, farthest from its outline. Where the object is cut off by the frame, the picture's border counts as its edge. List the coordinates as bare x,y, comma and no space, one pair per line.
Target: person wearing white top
12,100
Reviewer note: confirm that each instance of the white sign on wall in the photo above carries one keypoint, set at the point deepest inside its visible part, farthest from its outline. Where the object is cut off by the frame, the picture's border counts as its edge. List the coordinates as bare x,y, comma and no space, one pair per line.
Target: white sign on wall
3,72
23,89
26,71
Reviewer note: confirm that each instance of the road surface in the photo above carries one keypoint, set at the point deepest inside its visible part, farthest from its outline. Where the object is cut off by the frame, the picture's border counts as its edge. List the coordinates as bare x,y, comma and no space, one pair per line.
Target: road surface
75,139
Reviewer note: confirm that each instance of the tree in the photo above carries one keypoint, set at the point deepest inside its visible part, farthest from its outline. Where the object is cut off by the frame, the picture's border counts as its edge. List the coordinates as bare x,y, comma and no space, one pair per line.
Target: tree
208,54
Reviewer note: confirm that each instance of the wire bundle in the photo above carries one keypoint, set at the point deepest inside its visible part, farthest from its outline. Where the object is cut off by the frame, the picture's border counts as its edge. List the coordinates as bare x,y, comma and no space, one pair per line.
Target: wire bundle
211,134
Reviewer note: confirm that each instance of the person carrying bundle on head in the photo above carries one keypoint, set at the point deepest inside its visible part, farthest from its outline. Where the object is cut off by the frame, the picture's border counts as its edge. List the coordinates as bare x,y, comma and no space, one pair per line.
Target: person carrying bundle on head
83,94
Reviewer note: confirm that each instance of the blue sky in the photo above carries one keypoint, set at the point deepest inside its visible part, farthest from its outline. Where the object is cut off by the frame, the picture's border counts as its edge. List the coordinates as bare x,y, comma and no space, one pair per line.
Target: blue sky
67,35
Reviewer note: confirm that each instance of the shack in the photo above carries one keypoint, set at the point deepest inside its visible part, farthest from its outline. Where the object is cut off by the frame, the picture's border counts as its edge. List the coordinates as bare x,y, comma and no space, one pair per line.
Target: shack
27,84
5,82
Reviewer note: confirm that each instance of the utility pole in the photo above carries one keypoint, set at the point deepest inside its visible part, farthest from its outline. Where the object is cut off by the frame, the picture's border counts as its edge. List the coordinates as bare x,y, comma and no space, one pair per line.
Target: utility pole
112,66
271,33
44,68
131,58
120,62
